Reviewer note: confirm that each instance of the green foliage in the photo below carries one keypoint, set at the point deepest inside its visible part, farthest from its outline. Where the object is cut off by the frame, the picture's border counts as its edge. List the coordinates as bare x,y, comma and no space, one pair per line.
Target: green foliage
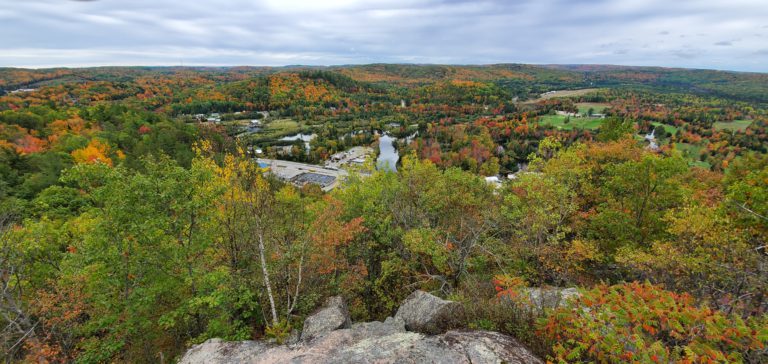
636,195
614,128
59,202
749,193
705,254
279,332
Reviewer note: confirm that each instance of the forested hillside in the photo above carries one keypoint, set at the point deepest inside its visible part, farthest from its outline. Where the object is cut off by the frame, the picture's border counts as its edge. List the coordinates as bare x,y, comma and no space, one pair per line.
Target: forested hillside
134,221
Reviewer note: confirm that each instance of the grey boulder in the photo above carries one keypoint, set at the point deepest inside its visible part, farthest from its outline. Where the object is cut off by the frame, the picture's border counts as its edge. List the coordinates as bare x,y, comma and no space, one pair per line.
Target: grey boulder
428,314
333,315
546,298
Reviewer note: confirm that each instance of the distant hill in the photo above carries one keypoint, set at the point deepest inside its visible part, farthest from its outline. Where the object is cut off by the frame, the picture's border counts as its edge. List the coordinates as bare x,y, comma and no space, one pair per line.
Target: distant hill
743,86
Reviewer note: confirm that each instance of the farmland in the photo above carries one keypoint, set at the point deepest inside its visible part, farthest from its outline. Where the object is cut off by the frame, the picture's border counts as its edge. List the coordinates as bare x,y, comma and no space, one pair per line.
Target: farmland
597,108
739,125
562,93
564,123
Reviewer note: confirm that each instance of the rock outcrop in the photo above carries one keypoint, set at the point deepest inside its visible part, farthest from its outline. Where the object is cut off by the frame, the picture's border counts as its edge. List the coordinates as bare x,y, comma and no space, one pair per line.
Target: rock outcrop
225,352
542,298
332,316
372,342
428,314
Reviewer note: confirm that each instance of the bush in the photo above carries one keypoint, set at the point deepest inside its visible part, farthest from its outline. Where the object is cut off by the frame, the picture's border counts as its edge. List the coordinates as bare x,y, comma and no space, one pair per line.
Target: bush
640,322
486,310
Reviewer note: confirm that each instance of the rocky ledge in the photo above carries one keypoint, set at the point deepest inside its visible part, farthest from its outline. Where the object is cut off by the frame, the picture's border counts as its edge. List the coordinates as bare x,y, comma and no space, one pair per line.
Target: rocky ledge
417,334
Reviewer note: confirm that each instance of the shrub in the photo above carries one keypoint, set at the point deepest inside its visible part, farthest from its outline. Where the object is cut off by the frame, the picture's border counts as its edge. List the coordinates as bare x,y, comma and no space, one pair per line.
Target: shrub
640,322
488,311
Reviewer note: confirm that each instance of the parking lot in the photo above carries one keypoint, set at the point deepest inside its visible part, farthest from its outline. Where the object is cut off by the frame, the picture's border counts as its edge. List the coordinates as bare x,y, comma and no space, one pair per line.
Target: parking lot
302,173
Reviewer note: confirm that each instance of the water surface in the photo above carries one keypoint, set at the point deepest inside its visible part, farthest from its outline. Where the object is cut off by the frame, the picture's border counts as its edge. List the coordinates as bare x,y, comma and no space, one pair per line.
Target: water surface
388,155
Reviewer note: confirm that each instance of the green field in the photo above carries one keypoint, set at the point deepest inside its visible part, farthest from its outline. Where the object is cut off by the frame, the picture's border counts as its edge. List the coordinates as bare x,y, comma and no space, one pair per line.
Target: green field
597,108
669,128
700,164
558,121
689,150
276,129
740,125
692,152
282,127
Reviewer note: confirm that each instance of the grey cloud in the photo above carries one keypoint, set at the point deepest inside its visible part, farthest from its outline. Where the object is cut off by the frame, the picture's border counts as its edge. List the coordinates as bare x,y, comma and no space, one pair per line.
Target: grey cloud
686,54
725,43
278,32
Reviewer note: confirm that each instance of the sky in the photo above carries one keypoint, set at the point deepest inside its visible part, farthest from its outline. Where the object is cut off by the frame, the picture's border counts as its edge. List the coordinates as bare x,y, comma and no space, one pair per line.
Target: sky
713,34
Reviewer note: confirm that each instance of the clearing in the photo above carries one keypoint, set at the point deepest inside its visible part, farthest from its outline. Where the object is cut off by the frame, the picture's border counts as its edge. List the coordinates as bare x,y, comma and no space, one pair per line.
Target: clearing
669,128
739,125
280,127
692,152
597,108
561,93
558,121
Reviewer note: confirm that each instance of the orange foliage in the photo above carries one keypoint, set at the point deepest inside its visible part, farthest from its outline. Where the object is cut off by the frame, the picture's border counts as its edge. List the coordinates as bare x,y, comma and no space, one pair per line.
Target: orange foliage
331,234
29,144
74,125
60,313
5,145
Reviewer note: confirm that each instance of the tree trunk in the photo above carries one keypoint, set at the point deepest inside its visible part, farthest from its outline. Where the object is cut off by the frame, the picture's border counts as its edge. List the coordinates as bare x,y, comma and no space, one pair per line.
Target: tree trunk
265,273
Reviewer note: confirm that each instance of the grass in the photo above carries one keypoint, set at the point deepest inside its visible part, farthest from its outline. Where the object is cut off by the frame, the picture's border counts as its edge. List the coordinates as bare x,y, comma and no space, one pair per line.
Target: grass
281,127
689,150
692,152
700,164
739,125
236,123
568,93
275,129
562,93
282,124
669,128
597,108
558,121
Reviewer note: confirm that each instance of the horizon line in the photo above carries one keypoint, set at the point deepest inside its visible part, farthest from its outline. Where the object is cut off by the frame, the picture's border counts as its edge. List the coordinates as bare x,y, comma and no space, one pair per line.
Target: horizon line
214,65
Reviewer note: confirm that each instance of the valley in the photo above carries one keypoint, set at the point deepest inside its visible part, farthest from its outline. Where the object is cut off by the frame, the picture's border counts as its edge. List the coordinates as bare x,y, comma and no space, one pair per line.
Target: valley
567,214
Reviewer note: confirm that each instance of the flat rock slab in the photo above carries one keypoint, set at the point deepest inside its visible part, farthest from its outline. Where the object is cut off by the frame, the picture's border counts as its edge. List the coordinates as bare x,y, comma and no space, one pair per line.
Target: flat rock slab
357,345
329,337
225,352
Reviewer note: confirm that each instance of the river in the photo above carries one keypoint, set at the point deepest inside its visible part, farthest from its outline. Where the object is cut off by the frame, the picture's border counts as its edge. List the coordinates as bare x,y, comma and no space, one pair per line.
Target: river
388,155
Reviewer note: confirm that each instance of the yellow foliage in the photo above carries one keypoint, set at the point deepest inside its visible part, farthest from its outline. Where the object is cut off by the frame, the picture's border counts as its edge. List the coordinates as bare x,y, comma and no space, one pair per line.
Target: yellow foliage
95,152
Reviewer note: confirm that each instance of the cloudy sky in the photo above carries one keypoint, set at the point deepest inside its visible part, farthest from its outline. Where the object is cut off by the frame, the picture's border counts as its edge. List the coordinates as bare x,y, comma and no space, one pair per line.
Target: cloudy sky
717,34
